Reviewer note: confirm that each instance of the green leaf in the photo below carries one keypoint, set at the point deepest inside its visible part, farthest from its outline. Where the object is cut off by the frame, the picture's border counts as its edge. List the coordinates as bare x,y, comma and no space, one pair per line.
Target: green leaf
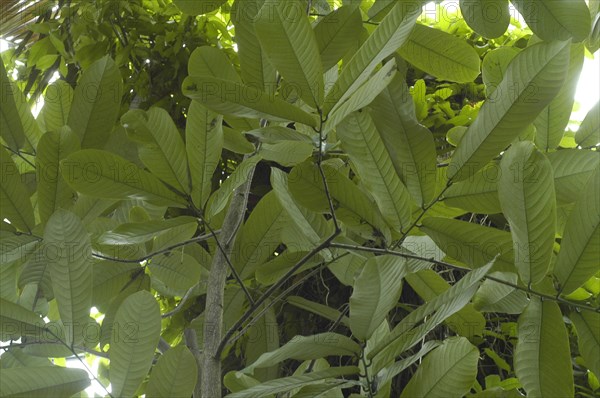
237,99
53,192
376,291
135,335
478,194
287,153
470,243
578,257
16,246
448,371
178,271
337,33
15,205
467,322
162,150
106,175
542,357
441,54
292,382
132,233
589,132
494,67
109,280
288,40
42,381
17,321
174,375
96,103
556,20
18,128
526,193
263,342
409,144
71,270
367,151
58,98
203,143
308,347
16,358
588,337
235,141
318,309
494,296
531,81
389,35
387,374
489,18
211,61
275,134
551,123
260,235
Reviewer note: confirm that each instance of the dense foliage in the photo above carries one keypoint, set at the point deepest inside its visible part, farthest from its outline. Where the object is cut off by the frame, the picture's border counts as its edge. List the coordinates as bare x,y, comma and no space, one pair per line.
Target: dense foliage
299,198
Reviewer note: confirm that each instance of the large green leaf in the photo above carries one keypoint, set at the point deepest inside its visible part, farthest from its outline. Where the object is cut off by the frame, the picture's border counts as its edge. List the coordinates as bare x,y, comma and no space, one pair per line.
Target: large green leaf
489,18
15,205
588,336
42,382
589,130
135,335
376,291
448,371
96,103
203,143
53,192
289,383
494,67
526,193
162,150
17,321
389,35
106,175
58,98
471,243
262,342
367,151
556,20
479,193
409,144
69,252
319,309
494,296
441,54
131,233
237,99
308,347
337,33
211,61
531,81
174,375
287,153
467,322
288,40
198,7
178,271
578,257
551,123
18,128
542,357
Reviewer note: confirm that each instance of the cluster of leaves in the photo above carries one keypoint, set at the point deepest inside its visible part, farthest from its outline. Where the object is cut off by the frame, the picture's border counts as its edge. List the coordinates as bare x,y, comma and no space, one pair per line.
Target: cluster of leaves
416,162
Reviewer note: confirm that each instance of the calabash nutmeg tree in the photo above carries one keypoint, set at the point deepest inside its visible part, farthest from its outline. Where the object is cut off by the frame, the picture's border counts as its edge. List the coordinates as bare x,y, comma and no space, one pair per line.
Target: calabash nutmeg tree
298,198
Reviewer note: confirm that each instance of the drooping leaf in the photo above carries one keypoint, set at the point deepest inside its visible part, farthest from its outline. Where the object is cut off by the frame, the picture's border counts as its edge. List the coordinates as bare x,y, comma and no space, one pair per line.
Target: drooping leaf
410,145
542,358
288,40
237,99
69,253
58,98
42,381
17,321
53,192
161,148
96,103
589,132
390,34
174,375
489,18
135,335
525,190
105,175
531,81
578,256
203,143
131,233
439,53
337,33
556,20
15,205
319,309
367,151
448,371
588,337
